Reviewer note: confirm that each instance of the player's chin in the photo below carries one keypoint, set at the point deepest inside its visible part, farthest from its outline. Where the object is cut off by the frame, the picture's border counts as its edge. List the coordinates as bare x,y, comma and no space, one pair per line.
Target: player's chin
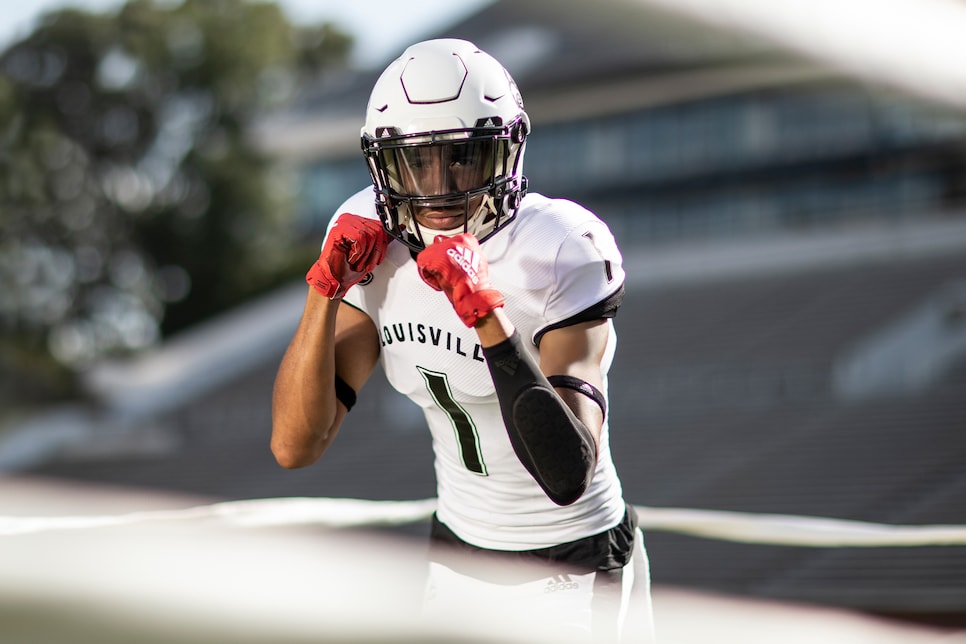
437,220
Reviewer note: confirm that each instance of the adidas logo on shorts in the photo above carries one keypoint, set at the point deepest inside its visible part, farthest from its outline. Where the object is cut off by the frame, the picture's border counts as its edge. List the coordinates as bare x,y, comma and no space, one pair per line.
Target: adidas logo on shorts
559,583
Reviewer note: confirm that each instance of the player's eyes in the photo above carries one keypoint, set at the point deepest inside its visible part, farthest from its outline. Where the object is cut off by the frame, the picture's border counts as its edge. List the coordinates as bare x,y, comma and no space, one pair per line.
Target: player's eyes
461,155
416,159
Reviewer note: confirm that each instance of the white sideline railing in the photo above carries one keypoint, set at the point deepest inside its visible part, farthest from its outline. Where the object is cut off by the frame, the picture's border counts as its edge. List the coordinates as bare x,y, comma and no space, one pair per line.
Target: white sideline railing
743,527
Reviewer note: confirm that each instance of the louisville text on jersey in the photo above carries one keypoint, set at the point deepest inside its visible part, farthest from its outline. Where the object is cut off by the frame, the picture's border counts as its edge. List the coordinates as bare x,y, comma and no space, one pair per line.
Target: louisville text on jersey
432,336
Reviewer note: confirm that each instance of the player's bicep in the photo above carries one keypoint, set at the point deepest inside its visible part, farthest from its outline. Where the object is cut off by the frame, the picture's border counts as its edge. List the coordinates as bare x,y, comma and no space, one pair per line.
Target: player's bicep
577,351
356,346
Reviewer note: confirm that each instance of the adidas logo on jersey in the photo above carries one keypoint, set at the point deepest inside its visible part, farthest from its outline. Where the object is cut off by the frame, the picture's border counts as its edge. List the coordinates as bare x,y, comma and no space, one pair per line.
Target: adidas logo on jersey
468,260
559,583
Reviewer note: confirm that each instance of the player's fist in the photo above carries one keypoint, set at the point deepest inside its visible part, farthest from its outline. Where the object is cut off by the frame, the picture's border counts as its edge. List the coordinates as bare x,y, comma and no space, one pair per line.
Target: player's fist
457,267
354,246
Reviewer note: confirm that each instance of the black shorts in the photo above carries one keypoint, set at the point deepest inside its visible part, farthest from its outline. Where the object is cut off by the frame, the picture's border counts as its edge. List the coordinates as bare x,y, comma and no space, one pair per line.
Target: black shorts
610,550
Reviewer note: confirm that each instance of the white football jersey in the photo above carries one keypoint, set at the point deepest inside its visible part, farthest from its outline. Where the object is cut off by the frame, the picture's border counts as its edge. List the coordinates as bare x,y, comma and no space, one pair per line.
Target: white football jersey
553,261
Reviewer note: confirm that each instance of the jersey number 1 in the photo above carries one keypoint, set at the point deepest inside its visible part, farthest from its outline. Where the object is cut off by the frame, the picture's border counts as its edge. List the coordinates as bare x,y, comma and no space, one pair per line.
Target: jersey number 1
466,435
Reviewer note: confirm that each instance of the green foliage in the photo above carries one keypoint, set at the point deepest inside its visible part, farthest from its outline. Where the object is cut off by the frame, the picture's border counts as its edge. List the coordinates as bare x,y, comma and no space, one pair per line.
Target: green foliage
132,203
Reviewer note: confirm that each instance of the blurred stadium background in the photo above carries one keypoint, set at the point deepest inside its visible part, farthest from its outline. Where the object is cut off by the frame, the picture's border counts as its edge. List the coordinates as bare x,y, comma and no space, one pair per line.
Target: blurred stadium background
788,189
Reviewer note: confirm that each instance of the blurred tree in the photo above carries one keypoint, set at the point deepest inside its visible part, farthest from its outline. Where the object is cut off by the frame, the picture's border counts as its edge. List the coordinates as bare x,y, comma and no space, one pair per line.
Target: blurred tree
131,202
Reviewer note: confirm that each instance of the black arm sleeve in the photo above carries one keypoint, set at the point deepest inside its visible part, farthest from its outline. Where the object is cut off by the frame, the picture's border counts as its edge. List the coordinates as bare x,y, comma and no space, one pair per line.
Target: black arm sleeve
551,442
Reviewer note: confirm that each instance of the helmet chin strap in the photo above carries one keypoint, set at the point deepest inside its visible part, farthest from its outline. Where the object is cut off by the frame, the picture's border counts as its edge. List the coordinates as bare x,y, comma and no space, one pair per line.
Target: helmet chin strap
429,235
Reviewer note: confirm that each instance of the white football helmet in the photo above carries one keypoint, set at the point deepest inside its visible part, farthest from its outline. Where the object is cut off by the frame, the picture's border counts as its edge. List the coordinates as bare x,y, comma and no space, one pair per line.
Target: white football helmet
446,129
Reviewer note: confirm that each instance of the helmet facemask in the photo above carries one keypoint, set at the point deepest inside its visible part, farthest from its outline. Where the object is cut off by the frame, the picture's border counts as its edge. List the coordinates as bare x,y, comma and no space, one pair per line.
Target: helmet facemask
470,173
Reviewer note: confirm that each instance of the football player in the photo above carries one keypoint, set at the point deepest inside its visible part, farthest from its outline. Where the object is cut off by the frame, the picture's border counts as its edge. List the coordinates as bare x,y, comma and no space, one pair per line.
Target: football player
491,308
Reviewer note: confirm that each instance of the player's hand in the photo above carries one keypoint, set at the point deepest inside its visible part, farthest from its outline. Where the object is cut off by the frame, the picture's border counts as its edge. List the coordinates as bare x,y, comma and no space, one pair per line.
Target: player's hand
457,267
354,246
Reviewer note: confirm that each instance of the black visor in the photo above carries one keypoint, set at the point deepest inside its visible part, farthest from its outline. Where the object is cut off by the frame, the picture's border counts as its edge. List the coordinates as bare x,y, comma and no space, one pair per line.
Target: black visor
441,168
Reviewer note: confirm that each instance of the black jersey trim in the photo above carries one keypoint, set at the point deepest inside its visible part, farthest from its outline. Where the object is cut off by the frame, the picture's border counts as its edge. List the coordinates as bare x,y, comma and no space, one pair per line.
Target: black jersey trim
606,308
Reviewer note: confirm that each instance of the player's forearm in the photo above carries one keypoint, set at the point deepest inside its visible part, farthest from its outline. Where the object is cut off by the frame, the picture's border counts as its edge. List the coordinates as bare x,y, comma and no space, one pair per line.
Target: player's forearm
494,328
304,406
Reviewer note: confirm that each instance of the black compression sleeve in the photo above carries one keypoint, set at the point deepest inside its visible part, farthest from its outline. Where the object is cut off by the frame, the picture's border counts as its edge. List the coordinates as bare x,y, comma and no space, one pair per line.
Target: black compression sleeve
551,442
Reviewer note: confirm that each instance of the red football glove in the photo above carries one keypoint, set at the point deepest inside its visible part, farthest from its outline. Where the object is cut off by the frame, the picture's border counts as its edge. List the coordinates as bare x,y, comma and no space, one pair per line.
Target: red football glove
355,245
457,267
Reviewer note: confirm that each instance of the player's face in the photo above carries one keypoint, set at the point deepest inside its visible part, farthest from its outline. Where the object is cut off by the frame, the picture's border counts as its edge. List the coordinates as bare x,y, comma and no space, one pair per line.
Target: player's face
441,170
